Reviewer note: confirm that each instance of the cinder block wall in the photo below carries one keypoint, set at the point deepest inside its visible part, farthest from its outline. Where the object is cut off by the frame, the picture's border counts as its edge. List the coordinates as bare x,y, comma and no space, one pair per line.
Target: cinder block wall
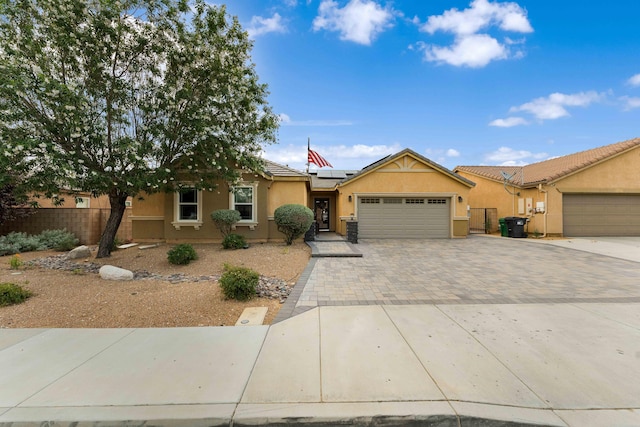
86,224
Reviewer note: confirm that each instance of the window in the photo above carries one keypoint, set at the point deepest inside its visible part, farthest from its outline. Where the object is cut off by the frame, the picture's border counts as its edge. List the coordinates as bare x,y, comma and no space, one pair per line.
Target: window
188,208
188,205
243,199
437,201
414,201
393,201
82,202
369,201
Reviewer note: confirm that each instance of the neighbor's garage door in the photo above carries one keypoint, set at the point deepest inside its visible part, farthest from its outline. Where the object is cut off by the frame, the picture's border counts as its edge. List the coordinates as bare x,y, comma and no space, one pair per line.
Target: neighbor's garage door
403,218
601,215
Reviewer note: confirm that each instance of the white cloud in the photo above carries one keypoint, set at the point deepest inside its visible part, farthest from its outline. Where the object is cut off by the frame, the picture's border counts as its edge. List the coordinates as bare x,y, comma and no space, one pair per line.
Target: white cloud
470,47
451,152
473,51
509,122
505,156
553,106
480,15
634,80
630,102
341,156
360,21
362,151
260,25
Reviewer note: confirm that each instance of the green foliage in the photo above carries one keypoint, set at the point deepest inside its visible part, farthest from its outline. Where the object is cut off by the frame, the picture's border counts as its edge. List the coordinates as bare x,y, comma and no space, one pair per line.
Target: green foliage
16,242
15,262
234,241
11,294
182,254
125,97
59,240
225,219
239,283
293,221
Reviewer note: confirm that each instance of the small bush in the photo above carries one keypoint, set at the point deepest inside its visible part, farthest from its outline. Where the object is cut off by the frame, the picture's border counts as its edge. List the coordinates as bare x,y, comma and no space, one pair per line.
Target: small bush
239,283
234,241
16,242
293,221
15,262
182,254
59,240
11,294
225,219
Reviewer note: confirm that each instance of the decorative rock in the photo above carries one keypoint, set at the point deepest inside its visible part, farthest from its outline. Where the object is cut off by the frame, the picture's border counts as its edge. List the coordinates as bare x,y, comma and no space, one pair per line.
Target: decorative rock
109,272
79,252
268,287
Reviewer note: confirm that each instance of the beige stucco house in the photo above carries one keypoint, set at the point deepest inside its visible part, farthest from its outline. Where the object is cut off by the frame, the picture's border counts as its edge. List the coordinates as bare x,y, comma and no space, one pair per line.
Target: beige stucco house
404,195
590,193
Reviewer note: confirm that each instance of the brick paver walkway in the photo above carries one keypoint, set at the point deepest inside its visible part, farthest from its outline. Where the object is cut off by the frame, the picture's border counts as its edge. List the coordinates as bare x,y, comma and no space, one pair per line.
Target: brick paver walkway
473,270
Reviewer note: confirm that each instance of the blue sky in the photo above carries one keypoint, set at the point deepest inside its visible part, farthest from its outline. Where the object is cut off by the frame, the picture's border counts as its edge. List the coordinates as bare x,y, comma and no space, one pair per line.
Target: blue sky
461,82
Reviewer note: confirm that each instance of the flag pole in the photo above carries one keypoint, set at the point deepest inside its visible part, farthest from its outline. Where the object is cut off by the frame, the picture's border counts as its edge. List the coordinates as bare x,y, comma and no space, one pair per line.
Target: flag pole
308,148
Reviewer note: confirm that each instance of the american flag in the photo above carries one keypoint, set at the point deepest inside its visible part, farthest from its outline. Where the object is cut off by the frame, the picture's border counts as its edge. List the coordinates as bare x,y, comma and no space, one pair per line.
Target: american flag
318,159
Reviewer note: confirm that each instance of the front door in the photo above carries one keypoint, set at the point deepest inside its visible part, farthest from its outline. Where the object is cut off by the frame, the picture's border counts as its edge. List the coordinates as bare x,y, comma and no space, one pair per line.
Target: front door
321,212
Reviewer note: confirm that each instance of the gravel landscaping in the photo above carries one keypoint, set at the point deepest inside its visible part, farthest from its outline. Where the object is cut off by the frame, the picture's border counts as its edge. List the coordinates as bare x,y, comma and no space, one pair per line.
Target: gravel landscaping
70,294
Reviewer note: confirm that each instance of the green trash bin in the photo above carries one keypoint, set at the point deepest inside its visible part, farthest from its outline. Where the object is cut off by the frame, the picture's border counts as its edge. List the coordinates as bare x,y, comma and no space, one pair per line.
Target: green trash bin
504,230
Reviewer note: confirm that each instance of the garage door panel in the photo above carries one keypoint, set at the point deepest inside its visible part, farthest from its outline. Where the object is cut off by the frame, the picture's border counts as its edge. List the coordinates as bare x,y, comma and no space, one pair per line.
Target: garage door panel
403,218
601,215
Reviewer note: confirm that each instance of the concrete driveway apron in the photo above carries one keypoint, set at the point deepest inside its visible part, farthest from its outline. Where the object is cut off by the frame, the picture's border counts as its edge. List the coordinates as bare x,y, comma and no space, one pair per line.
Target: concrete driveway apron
476,270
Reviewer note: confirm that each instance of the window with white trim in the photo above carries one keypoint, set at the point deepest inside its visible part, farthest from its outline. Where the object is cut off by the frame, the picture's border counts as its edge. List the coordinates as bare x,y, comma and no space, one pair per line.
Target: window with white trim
188,208
243,198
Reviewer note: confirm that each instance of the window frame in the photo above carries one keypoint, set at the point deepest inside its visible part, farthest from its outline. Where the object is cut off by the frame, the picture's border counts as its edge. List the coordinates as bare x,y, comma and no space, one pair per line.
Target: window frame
179,222
253,221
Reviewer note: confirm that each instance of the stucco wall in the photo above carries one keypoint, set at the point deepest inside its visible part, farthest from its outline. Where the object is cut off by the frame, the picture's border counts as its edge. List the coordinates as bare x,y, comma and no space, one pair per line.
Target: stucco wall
286,192
405,176
154,214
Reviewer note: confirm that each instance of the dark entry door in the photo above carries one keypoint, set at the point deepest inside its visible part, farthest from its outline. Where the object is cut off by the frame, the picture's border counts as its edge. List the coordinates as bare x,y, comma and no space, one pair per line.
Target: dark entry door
321,212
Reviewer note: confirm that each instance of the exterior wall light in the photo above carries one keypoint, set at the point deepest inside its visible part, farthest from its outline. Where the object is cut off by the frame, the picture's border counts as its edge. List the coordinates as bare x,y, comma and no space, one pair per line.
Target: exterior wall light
459,199
350,197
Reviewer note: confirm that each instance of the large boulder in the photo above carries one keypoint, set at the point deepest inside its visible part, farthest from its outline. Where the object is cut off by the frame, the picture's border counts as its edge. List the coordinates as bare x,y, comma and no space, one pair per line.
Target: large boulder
110,272
79,252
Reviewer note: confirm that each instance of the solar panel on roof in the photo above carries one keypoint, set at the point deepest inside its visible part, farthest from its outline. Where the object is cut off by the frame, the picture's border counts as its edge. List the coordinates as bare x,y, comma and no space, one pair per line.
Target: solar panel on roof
332,174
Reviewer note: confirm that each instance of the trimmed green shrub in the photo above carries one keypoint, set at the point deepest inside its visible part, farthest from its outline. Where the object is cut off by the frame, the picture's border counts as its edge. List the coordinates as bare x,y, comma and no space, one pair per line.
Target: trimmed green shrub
234,241
225,219
182,254
239,283
59,240
293,221
11,294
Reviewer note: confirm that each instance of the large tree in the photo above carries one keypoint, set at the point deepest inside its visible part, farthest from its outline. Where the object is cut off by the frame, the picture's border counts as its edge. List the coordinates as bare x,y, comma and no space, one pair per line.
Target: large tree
121,97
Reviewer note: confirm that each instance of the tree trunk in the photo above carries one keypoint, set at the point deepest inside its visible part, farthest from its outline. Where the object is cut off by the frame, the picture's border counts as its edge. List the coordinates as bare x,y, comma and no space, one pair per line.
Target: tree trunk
118,205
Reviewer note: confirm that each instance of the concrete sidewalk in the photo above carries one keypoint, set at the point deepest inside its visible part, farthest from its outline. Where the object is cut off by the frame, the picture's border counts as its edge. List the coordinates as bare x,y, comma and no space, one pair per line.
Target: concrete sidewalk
445,365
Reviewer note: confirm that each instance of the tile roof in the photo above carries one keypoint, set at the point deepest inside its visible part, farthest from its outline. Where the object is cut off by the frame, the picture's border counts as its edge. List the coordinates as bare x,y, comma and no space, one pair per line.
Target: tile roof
276,169
552,169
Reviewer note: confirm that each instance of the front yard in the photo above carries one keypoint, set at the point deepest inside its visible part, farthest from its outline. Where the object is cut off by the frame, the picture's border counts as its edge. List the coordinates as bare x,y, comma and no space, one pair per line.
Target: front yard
171,296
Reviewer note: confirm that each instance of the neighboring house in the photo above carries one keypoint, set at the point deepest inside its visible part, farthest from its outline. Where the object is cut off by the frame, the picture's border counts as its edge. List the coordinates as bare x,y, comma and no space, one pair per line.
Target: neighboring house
404,195
81,214
590,193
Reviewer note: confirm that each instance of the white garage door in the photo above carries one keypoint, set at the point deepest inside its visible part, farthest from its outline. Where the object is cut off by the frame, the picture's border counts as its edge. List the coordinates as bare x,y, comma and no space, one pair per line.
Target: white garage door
403,218
601,215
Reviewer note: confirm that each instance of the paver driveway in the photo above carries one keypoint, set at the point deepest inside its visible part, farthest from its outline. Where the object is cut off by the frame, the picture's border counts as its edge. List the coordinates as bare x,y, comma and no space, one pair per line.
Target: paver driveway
473,270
